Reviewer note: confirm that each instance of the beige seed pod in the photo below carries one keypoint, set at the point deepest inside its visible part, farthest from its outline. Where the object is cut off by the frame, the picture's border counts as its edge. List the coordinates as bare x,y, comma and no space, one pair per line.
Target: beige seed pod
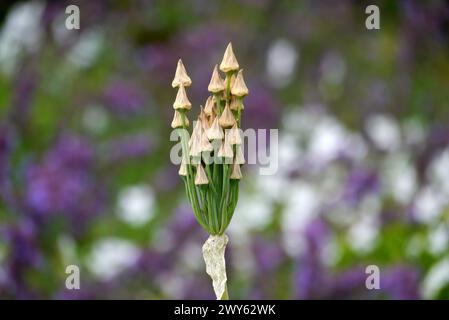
225,150
239,87
196,132
181,101
201,177
215,132
205,145
182,169
177,121
209,106
203,119
195,140
239,156
229,62
236,173
226,119
234,135
216,83
181,78
236,104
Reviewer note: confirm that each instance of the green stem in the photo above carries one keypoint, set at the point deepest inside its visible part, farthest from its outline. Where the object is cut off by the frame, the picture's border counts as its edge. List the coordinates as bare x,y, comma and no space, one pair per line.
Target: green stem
225,295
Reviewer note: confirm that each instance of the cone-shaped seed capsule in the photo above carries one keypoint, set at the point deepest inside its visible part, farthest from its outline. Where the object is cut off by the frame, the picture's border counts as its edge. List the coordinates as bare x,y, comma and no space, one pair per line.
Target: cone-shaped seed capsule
209,106
236,103
182,102
183,170
195,141
181,77
205,144
239,157
226,119
201,177
215,132
239,87
216,83
195,133
234,135
236,174
203,119
178,120
225,150
229,62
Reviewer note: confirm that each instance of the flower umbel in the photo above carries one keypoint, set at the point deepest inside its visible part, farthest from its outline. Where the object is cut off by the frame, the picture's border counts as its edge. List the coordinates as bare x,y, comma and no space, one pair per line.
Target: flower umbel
213,155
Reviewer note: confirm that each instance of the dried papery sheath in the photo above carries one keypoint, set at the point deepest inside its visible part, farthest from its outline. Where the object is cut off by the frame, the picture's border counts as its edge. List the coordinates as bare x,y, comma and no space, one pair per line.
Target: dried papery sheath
239,87
200,177
229,62
213,253
216,83
226,119
209,106
179,121
215,132
182,102
236,173
181,77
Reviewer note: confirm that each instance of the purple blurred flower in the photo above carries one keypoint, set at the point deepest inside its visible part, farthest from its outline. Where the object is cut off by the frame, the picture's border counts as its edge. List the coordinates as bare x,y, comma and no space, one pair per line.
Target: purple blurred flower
261,108
159,59
268,255
311,277
129,147
360,183
401,282
183,225
167,178
63,182
124,98
24,254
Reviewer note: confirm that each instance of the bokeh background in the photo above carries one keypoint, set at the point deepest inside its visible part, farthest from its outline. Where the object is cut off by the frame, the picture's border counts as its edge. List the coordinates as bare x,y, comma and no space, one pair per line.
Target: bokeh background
363,119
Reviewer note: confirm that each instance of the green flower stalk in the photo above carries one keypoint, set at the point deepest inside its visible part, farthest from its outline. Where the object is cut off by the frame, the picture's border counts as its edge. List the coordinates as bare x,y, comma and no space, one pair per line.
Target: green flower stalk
212,157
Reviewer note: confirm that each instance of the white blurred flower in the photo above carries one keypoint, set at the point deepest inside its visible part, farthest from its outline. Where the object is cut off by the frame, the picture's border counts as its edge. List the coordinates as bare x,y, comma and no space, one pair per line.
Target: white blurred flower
281,61
22,32
363,233
438,239
136,204
438,171
327,140
111,256
355,146
384,131
399,177
301,206
414,132
254,212
84,53
95,119
437,277
429,204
